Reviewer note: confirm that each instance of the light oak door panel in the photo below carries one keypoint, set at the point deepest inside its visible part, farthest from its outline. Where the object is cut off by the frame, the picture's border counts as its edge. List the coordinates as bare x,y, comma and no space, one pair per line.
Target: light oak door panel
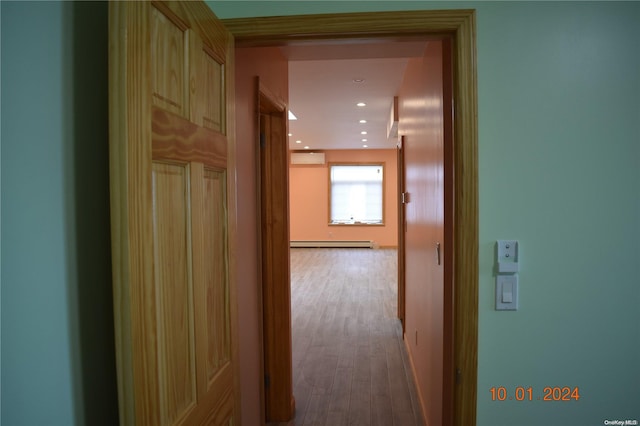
173,214
174,291
213,115
218,345
169,47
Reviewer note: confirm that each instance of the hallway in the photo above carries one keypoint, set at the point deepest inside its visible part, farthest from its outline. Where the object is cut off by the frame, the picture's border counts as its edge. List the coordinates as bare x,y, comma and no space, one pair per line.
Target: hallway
349,361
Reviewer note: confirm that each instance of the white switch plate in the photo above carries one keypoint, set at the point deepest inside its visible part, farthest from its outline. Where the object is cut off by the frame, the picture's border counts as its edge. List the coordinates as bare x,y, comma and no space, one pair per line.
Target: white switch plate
507,292
507,258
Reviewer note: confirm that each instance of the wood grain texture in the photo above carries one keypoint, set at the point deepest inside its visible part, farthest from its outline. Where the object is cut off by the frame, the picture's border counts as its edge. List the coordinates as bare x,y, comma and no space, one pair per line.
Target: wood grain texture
466,221
175,319
274,237
130,186
227,44
216,273
175,138
168,61
350,365
174,287
460,24
287,29
199,18
213,115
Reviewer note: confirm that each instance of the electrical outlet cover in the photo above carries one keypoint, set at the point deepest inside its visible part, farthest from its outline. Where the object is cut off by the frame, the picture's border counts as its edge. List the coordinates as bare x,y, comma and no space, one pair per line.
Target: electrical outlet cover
507,256
507,250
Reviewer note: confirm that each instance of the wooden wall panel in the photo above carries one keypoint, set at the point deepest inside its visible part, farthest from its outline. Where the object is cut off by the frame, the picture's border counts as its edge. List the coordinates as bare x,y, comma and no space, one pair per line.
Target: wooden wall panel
174,297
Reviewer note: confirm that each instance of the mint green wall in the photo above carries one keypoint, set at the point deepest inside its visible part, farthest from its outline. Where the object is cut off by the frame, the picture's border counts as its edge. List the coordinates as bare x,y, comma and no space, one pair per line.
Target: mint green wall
559,106
58,363
559,159
559,90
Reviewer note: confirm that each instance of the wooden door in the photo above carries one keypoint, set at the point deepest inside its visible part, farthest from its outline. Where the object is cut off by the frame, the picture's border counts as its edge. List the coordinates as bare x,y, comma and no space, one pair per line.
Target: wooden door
173,217
422,126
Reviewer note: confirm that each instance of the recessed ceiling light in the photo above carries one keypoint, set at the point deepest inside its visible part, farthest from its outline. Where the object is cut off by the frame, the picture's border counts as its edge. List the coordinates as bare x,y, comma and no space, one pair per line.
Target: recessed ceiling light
306,147
361,104
365,146
298,141
364,140
363,121
363,132
358,80
290,134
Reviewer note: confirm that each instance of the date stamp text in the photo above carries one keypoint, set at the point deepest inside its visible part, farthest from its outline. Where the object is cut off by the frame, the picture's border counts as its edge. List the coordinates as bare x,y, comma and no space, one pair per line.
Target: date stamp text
527,393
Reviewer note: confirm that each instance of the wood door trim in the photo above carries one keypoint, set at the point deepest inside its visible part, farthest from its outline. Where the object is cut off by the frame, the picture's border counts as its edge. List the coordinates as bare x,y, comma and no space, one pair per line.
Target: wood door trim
401,234
449,354
272,30
460,25
275,277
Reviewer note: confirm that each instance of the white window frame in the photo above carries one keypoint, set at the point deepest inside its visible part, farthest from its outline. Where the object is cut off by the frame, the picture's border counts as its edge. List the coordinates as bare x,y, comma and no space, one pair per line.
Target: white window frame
364,190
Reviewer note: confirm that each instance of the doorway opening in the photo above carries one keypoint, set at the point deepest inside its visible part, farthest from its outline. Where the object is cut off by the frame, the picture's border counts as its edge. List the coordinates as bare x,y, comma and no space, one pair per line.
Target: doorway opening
460,26
327,79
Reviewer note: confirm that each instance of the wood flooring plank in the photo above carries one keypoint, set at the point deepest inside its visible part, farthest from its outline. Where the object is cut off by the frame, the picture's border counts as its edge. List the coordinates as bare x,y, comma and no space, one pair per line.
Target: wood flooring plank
381,413
360,404
347,356
317,410
325,373
336,418
403,412
340,397
349,360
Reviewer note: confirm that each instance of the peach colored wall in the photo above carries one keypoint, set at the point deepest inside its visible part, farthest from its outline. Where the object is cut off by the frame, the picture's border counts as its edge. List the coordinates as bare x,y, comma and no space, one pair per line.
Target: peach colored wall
272,68
309,200
421,123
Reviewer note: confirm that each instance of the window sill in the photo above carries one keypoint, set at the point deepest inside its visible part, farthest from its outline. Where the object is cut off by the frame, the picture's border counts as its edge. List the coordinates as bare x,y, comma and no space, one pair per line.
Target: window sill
356,224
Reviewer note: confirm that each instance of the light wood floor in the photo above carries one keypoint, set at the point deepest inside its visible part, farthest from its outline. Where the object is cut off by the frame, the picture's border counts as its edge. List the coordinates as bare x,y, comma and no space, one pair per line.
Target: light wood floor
350,365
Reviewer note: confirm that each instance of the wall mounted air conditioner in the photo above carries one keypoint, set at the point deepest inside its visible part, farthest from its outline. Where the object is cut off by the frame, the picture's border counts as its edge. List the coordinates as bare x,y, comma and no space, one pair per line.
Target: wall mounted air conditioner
307,158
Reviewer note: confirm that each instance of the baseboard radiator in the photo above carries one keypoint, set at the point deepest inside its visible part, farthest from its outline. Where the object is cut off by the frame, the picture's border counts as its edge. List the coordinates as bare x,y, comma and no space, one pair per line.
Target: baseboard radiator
333,243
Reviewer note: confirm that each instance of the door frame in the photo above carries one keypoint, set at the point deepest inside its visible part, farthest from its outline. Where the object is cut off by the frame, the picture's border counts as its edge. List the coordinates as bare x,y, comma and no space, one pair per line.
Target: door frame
402,223
273,256
460,26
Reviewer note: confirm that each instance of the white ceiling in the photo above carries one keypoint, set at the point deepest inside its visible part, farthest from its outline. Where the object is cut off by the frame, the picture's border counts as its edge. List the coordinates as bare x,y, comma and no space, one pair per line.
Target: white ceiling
323,93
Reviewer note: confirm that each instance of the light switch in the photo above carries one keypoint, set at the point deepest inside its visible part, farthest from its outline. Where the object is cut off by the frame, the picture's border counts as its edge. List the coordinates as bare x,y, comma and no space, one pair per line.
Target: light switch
507,292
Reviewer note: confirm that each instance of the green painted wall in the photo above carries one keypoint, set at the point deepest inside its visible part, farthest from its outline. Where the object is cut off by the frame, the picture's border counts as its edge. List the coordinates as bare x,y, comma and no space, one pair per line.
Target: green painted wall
58,363
559,159
559,106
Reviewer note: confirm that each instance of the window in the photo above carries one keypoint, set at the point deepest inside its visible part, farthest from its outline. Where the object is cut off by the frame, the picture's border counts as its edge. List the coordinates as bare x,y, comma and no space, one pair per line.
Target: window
356,194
